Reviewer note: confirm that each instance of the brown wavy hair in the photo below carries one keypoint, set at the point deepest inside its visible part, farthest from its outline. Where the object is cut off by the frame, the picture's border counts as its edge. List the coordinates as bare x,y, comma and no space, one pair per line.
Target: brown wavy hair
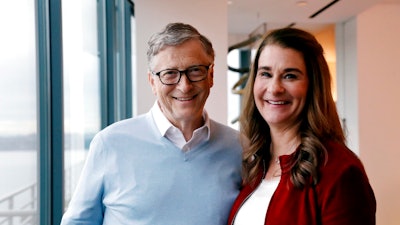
319,120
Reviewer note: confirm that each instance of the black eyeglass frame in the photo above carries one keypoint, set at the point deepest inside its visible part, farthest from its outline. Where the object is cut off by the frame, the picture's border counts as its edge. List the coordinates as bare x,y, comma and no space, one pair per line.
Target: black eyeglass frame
182,72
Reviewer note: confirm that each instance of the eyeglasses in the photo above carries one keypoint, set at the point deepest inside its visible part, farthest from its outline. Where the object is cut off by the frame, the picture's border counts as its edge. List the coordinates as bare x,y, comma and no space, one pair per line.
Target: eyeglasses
173,76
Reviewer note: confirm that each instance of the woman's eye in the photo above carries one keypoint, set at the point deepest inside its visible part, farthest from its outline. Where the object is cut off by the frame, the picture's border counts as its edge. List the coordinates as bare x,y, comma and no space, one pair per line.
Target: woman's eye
265,74
290,76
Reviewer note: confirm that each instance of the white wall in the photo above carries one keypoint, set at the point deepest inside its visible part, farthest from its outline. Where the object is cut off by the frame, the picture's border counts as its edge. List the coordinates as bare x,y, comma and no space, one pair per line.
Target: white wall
368,62
378,49
210,18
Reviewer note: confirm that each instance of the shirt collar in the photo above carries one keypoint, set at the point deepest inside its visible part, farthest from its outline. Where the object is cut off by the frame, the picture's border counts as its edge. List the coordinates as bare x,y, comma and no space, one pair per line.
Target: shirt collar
163,123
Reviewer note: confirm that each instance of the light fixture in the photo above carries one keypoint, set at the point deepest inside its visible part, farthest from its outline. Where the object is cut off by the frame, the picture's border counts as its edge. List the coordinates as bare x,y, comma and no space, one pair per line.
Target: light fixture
301,3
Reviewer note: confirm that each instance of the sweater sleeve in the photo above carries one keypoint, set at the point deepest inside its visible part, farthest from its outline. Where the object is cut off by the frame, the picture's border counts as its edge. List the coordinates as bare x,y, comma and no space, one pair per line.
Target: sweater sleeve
349,199
86,206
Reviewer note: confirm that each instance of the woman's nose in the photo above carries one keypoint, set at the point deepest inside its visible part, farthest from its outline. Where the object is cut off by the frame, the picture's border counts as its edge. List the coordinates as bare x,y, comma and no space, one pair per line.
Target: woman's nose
275,86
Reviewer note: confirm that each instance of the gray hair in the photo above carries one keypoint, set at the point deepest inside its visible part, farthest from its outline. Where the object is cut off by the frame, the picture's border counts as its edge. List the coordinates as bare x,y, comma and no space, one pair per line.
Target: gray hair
175,34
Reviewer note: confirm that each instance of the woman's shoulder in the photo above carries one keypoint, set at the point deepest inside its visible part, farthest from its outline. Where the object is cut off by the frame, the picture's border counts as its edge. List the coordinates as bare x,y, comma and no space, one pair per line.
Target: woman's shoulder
340,161
344,192
339,153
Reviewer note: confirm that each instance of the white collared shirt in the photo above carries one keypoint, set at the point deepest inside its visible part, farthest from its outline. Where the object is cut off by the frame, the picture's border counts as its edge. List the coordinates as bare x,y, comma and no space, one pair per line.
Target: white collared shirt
175,135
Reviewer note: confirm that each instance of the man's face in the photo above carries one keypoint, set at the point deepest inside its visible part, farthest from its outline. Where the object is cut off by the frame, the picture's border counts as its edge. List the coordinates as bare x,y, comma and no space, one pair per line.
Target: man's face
182,102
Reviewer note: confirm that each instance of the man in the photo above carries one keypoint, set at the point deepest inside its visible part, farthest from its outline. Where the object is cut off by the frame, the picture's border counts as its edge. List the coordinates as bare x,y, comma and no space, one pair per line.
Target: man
172,165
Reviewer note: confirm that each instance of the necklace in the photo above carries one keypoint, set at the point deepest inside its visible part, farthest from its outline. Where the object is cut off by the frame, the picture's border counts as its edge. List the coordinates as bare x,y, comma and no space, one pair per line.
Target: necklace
276,158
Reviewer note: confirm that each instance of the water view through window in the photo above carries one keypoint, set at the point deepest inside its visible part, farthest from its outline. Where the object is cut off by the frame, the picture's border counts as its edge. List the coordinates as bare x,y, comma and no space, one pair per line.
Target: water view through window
18,114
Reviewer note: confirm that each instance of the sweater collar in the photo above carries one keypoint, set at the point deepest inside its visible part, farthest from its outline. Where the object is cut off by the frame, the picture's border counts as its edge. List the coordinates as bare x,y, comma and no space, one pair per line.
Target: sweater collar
163,123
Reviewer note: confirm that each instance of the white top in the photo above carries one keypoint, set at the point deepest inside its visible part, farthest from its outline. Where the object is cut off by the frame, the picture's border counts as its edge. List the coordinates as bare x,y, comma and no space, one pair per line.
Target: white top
254,209
175,135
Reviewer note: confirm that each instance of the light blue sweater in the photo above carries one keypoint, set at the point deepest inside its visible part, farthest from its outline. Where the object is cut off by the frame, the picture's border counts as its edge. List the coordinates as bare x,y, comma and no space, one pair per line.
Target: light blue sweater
133,175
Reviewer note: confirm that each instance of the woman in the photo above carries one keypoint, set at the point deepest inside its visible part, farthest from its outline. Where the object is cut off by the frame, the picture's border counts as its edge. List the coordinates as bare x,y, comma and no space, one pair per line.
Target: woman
297,168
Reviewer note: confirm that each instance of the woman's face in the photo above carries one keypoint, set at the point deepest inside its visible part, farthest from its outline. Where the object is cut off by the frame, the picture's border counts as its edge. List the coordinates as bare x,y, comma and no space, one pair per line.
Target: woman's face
280,86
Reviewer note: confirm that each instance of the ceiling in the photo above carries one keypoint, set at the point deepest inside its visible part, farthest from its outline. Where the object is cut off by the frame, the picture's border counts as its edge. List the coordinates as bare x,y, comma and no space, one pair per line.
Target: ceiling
247,16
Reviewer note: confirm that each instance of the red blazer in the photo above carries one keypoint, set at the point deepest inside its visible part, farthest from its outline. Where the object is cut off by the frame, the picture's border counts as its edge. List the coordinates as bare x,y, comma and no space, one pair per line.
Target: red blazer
342,196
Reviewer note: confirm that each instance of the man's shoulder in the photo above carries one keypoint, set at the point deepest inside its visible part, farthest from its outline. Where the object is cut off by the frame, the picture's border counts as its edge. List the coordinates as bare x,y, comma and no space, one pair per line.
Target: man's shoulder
221,131
129,124
222,128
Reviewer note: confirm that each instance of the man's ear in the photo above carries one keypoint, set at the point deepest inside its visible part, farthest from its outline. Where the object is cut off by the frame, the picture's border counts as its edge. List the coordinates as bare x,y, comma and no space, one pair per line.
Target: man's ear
212,76
150,78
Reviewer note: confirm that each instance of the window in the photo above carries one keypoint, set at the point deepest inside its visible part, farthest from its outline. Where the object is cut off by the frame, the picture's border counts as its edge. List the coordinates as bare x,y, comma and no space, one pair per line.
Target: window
65,73
18,119
81,80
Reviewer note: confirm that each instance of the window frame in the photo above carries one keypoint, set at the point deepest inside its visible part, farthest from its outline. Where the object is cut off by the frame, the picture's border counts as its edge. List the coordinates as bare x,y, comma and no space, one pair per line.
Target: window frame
116,90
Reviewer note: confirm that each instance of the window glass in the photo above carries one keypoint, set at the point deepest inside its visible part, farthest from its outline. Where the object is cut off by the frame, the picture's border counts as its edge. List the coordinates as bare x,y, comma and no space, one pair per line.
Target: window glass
81,86
18,117
233,98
